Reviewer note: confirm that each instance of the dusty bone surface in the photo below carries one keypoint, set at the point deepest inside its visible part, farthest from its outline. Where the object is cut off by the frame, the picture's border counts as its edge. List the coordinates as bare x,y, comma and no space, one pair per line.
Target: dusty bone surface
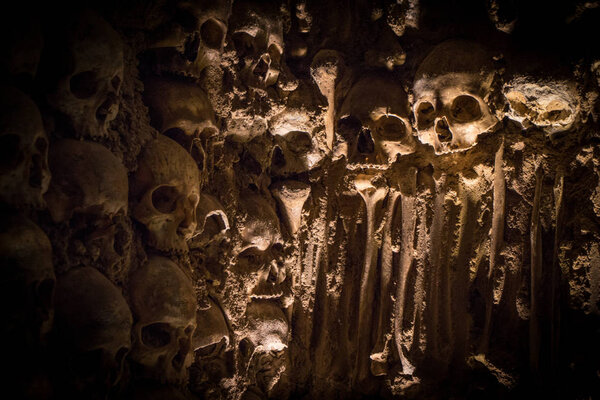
244,199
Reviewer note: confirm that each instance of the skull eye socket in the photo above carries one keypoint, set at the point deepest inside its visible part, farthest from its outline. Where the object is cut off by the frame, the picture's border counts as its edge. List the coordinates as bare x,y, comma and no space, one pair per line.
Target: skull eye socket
10,156
164,199
251,256
244,43
212,33
299,141
392,128
465,109
156,335
84,84
349,127
425,115
275,54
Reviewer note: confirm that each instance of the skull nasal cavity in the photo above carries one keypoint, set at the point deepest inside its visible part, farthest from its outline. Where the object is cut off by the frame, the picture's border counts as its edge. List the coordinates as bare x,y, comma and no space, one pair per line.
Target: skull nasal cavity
212,34
365,142
262,67
443,131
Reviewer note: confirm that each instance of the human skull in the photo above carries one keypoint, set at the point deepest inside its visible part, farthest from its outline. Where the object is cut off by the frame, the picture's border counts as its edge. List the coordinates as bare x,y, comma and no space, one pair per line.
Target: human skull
164,306
89,76
261,249
189,37
265,344
257,34
451,88
96,191
166,190
548,104
211,342
183,112
24,174
93,324
28,281
373,122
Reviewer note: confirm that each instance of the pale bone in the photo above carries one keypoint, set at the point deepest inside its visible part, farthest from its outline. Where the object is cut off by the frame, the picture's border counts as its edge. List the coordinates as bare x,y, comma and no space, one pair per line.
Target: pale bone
497,236
24,173
325,69
91,316
373,191
30,252
291,196
100,181
451,89
535,238
549,104
257,34
88,94
166,192
212,220
190,37
373,122
163,301
211,327
381,351
265,344
409,221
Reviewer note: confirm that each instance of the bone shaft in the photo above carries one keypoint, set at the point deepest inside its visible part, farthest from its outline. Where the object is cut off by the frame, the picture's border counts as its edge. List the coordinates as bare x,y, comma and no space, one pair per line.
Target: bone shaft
535,239
559,185
329,121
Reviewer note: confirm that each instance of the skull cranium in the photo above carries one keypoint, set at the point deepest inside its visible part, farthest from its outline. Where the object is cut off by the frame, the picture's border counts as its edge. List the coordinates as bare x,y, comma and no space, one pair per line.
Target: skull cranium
164,306
451,86
24,174
166,189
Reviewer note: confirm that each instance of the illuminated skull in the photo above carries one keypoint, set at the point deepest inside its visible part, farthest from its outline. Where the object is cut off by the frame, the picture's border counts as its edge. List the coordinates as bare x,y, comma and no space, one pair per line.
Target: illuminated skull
257,33
451,89
24,174
164,306
373,122
189,37
166,189
87,78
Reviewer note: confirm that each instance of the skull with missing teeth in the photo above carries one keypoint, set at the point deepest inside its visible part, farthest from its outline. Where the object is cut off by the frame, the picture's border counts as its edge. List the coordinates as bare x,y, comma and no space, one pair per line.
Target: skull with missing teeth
190,37
261,253
451,87
258,39
166,189
373,122
88,90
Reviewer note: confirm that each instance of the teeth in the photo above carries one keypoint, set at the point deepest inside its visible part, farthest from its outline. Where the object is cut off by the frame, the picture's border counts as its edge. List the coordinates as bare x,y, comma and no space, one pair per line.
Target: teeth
267,296
355,166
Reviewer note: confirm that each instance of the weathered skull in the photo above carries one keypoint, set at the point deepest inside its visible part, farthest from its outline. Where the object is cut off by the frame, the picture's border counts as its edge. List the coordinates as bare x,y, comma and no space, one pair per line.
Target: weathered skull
373,122
451,88
89,76
211,342
166,190
96,191
189,37
257,33
265,345
261,252
93,324
183,112
164,306
27,283
551,105
24,174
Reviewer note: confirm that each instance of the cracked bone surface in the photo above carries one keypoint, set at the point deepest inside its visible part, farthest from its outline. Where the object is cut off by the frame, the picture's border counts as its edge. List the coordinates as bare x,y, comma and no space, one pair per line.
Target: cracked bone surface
393,199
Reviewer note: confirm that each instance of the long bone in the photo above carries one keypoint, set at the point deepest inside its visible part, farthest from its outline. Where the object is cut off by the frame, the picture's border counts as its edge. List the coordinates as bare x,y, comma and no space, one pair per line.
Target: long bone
409,222
536,274
497,235
325,70
372,191
381,350
559,189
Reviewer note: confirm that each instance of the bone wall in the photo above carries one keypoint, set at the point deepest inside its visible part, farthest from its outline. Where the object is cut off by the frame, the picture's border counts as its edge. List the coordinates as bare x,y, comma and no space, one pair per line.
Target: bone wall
300,199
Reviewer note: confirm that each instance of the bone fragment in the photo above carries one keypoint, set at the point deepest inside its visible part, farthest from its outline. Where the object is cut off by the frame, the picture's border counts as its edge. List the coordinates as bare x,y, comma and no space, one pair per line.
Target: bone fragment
291,196
372,192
